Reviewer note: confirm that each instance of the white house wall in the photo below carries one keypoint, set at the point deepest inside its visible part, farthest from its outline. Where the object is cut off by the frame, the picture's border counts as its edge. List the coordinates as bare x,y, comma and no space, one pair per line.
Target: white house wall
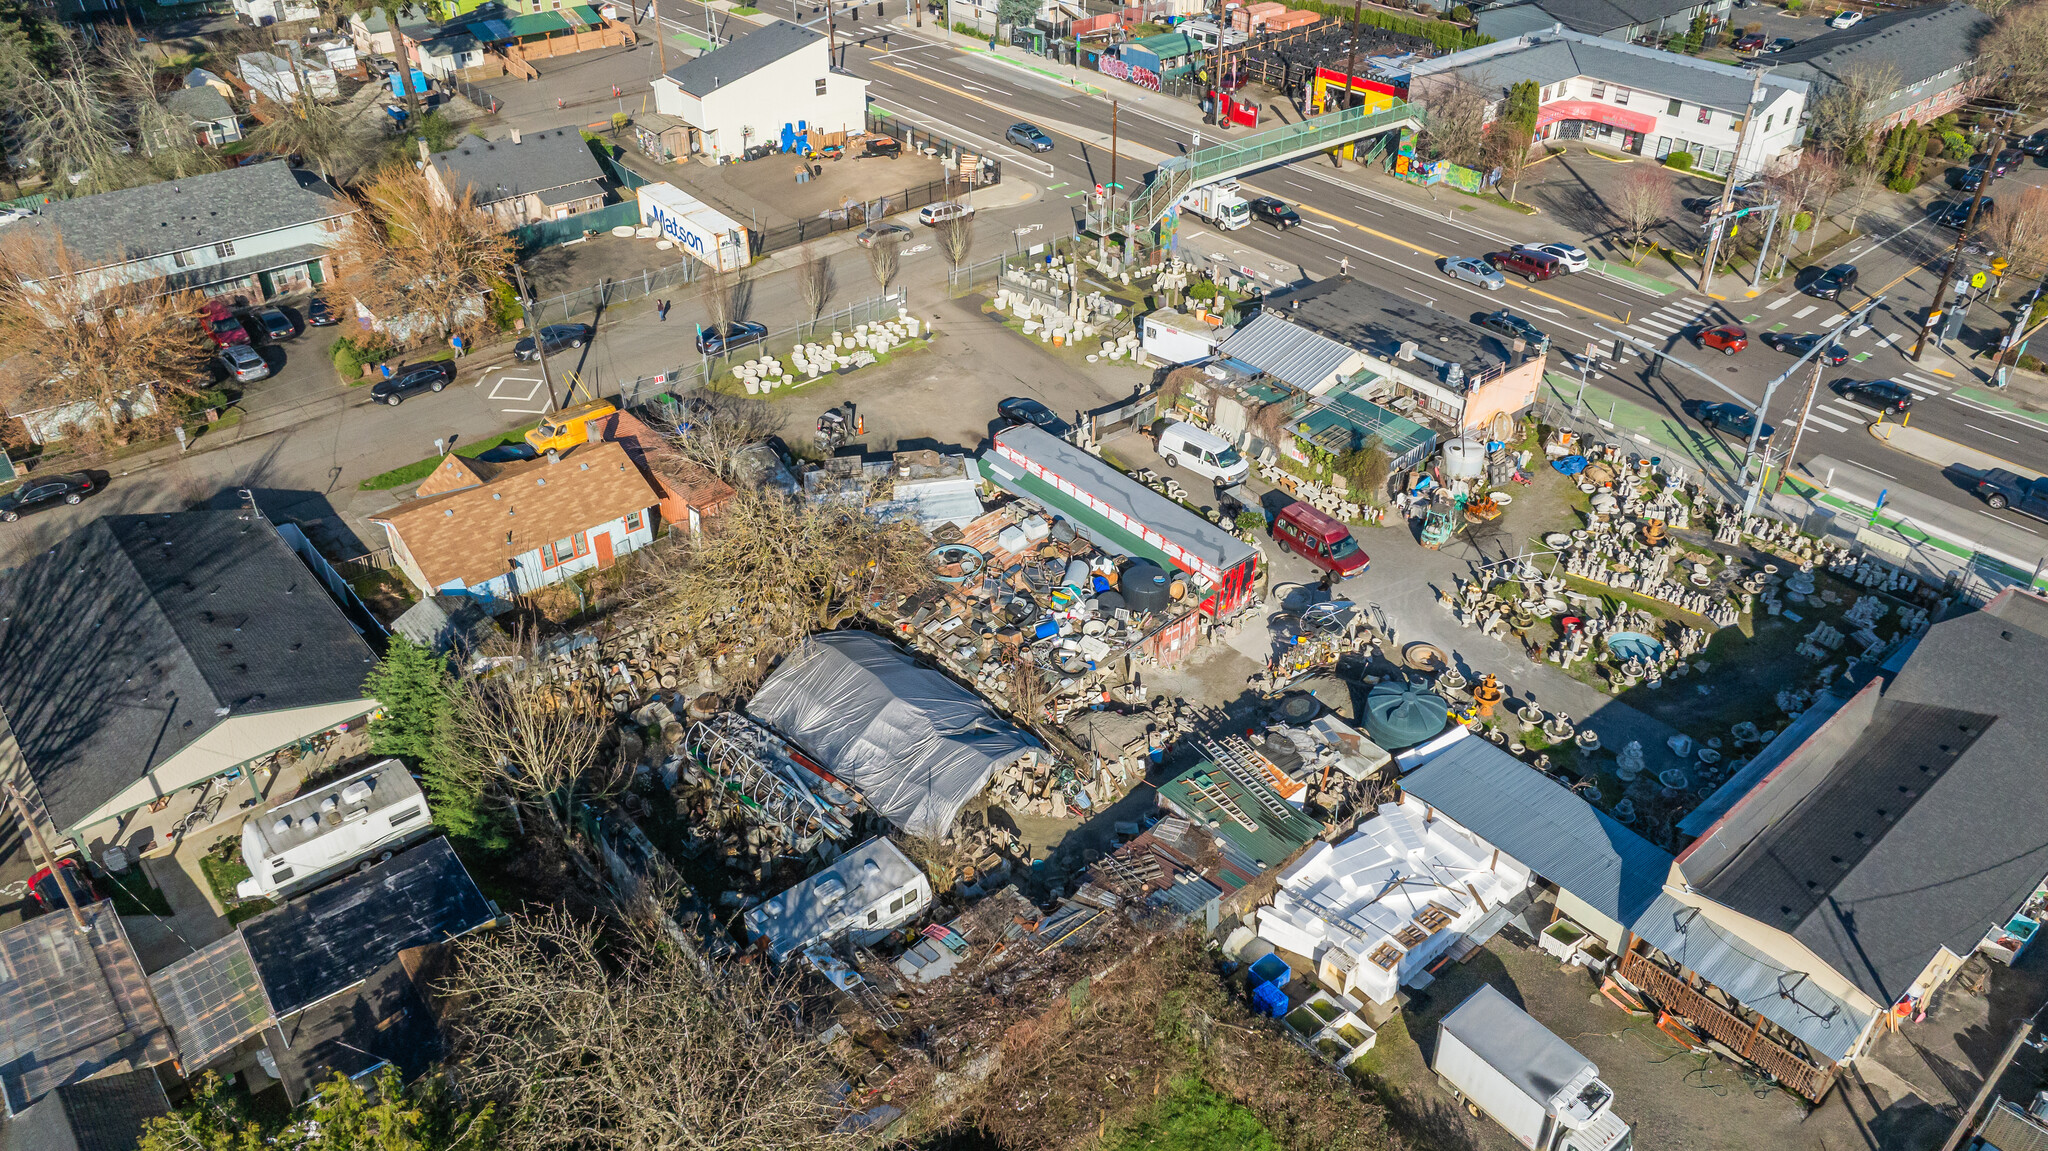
531,573
784,92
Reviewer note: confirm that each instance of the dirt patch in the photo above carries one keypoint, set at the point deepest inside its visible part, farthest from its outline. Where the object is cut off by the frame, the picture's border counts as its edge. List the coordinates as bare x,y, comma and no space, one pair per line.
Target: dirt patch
764,193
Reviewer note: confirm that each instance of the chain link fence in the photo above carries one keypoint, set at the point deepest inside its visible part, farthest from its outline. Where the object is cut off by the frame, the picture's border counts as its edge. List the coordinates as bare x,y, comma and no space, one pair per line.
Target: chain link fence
566,307
778,342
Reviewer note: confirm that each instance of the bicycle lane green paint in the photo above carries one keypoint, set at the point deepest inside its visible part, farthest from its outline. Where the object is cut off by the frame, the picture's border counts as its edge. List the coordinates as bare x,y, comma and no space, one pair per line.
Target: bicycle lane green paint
1670,430
1994,400
1631,276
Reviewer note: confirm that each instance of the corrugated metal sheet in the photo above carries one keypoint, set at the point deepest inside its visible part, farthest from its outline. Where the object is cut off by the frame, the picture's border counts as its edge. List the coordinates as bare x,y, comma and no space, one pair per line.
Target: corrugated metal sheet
1271,841
1545,827
1787,998
1287,352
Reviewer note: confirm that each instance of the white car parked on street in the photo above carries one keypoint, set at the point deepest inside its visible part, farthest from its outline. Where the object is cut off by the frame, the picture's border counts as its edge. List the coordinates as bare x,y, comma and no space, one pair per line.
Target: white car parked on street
1571,257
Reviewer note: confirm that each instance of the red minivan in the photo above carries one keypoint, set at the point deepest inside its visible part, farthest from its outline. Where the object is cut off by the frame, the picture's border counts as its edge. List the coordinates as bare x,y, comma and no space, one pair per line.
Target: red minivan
1531,266
1321,539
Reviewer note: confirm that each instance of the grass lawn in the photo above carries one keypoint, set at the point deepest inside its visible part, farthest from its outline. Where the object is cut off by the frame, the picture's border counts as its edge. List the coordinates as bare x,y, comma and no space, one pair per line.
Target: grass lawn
418,470
1191,1116
222,874
401,358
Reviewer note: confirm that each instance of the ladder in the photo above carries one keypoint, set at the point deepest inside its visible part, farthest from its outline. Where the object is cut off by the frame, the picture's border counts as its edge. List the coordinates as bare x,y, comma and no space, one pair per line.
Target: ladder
1246,766
1208,789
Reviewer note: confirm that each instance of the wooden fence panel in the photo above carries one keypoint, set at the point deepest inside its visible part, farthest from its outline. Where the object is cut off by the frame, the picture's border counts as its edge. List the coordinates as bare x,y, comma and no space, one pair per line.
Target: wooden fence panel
1745,1038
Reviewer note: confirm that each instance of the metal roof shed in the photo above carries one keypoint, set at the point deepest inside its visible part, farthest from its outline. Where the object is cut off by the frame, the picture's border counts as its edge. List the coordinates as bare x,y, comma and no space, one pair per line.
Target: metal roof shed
1608,875
1121,514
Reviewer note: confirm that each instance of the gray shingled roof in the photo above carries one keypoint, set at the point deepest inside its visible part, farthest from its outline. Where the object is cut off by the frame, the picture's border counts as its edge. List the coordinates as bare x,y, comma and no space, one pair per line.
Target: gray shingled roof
203,104
1920,42
195,212
742,57
501,169
137,635
1917,825
1547,57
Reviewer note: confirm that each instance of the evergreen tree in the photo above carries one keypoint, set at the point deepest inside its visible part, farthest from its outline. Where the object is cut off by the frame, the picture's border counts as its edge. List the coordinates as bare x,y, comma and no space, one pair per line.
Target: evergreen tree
417,694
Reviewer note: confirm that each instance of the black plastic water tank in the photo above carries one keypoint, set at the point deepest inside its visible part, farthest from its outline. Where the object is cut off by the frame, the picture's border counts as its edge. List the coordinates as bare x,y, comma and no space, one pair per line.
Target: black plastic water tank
1145,585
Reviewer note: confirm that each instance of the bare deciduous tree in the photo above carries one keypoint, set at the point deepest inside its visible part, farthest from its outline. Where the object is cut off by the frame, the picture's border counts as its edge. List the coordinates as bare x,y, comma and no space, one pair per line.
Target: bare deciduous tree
2021,231
883,258
1643,202
166,135
1860,185
718,292
956,240
2015,53
127,354
320,133
712,430
1457,120
772,570
813,281
1842,114
423,267
634,1047
535,740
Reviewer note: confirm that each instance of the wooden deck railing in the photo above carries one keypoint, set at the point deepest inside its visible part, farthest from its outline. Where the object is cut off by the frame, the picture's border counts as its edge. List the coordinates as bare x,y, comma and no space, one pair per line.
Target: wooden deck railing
1743,1037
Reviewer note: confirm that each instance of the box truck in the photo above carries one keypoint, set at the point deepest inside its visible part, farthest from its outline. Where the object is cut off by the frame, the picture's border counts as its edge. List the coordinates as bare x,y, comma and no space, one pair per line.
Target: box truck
696,227
1498,1061
1220,204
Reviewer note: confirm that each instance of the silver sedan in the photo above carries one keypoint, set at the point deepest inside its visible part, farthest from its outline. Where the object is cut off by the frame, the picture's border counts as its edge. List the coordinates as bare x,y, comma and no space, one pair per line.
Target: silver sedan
1474,271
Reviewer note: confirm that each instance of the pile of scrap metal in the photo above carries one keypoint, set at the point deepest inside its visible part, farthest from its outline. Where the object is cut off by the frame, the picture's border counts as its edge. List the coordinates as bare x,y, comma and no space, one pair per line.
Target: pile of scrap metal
1161,877
997,930
732,769
1042,621
639,874
1325,762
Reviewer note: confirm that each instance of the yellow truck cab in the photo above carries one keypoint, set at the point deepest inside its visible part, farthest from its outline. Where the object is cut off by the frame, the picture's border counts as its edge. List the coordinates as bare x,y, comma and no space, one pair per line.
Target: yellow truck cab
563,430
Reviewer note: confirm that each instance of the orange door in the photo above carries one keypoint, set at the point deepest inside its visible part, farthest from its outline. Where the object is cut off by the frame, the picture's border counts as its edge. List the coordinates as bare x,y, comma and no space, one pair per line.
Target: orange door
604,549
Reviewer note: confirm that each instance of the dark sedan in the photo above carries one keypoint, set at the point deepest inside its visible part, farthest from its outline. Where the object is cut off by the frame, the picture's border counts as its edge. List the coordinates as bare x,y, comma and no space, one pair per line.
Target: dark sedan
1832,283
272,326
41,492
2036,144
1024,410
1733,419
1834,355
714,341
1883,395
1275,212
411,380
1956,213
1970,179
319,314
554,338
1516,328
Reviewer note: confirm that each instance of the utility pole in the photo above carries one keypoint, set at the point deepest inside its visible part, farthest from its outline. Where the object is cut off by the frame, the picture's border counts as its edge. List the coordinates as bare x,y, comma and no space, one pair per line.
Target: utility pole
660,41
50,861
1756,95
1216,70
1799,428
540,346
1948,272
2012,1050
1351,58
1115,107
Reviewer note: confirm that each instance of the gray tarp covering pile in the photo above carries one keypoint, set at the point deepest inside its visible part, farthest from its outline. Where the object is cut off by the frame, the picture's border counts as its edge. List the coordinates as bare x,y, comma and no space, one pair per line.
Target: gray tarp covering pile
916,743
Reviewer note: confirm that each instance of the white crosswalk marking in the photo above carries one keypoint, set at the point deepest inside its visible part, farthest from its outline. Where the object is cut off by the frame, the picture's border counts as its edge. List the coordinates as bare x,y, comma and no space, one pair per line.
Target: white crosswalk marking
1918,378
1814,418
1889,338
1844,413
1806,311
1780,302
1858,330
1833,320
1923,389
1660,327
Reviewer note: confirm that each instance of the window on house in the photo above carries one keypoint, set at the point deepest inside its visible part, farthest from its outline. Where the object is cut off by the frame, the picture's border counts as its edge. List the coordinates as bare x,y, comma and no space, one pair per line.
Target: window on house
632,521
1620,95
582,544
184,259
821,87
1674,108
560,552
224,249
1768,119
1599,89
1706,117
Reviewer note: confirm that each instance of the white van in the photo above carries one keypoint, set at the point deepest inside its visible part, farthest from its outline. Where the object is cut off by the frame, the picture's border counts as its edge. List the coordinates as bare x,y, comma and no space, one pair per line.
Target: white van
1204,453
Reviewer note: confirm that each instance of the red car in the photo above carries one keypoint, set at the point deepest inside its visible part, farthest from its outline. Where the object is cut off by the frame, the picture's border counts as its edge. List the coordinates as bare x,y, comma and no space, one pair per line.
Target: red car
1729,338
43,886
222,324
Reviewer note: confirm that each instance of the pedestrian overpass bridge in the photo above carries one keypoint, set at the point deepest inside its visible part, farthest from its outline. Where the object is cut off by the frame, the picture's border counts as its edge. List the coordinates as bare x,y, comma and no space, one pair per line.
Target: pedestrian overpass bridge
1178,175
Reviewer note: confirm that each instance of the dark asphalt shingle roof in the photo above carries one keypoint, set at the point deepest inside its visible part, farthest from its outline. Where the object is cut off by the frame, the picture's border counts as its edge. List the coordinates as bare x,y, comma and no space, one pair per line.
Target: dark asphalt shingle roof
334,937
203,104
742,57
123,644
1915,826
500,169
195,212
1535,819
386,1020
1920,42
1372,319
103,1114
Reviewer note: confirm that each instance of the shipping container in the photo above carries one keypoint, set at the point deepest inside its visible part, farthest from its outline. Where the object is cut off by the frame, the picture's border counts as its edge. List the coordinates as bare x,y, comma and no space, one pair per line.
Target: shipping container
698,228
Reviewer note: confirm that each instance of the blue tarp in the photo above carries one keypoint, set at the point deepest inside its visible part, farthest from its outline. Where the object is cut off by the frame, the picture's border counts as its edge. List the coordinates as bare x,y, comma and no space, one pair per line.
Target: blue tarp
1569,465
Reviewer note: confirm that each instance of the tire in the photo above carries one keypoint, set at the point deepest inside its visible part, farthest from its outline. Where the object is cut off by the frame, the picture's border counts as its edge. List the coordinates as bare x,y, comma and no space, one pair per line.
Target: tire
10,517
1531,277
392,400
73,498
1172,461
1994,499
575,343
435,387
1728,351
